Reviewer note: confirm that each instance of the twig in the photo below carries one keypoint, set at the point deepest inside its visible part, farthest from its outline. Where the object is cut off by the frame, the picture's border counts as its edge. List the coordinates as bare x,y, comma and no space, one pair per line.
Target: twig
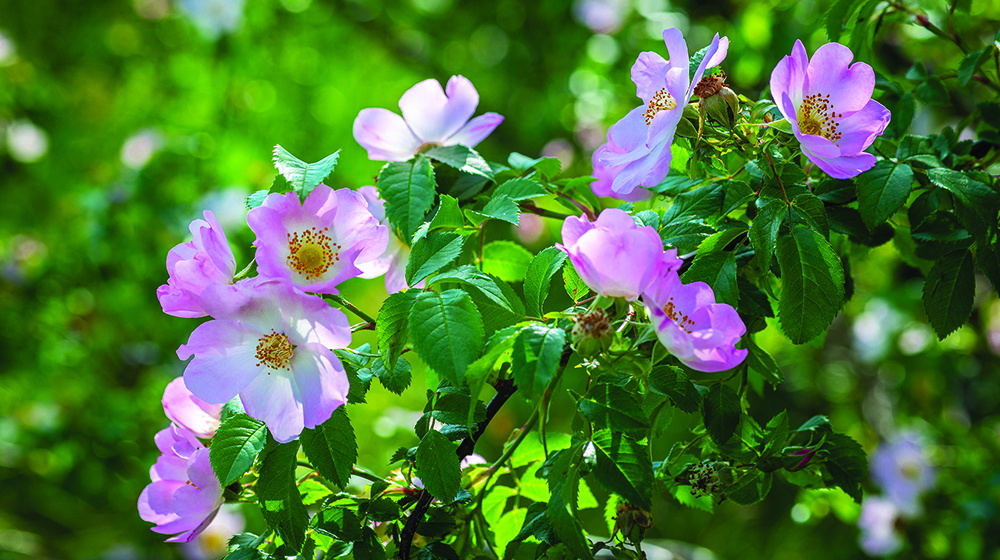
341,301
505,388
532,209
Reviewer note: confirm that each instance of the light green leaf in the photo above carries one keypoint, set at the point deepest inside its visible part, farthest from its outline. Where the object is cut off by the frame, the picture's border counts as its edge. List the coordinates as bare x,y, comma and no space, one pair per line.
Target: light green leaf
576,288
238,440
303,176
447,332
623,467
882,190
507,260
395,381
331,447
950,291
812,289
471,276
432,253
538,277
971,63
408,191
438,466
500,207
521,189
448,215
462,158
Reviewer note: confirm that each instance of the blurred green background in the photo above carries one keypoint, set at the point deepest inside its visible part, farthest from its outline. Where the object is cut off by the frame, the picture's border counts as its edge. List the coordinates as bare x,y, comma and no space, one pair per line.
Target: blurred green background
121,121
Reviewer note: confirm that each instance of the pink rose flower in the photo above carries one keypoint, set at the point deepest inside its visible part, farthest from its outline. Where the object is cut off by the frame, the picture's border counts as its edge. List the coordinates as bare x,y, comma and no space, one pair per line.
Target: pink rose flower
195,265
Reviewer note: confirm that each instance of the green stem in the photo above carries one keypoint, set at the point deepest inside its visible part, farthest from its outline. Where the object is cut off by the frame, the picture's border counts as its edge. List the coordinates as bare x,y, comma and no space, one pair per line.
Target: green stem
361,314
245,271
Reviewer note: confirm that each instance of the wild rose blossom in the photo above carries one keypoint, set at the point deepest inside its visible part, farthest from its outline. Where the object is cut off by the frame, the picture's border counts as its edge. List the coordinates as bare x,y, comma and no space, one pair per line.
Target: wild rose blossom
431,117
205,260
877,522
190,412
606,176
393,261
270,344
828,102
901,468
614,256
184,495
698,331
213,542
319,243
644,136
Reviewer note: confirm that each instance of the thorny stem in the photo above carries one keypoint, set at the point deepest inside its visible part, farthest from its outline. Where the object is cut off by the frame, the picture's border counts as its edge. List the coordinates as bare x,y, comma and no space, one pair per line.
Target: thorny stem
505,388
532,209
354,309
583,208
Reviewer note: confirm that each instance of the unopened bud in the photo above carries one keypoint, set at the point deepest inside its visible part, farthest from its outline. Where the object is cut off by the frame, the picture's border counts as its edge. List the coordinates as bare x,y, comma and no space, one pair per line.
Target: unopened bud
922,20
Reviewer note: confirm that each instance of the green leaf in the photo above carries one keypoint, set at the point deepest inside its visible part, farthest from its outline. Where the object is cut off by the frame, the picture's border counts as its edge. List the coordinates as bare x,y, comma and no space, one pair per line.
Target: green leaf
775,435
438,466
882,190
391,325
846,462
704,203
971,63
695,61
847,220
949,292
538,277
576,288
369,547
535,361
303,176
561,512
808,209
395,381
836,191
610,406
331,447
408,191
718,270
753,300
506,260
812,289
835,17
674,185
340,523
521,189
436,551
761,363
277,495
902,116
764,229
448,215
483,283
447,332
256,199
933,92
686,236
432,253
462,158
979,205
721,411
238,440
437,523
623,467
549,167
673,382
500,207
738,193
496,316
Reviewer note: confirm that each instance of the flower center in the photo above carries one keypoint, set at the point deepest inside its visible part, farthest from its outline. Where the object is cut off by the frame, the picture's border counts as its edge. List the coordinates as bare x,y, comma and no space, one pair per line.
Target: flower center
910,470
679,317
312,252
661,101
274,351
817,117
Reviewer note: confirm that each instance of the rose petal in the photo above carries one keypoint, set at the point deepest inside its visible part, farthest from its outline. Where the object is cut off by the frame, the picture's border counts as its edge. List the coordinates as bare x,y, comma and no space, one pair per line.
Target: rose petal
434,116
385,135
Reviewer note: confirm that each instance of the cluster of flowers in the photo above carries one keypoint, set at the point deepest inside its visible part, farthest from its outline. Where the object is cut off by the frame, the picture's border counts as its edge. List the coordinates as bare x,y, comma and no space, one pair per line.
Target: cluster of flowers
826,100
616,257
901,469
